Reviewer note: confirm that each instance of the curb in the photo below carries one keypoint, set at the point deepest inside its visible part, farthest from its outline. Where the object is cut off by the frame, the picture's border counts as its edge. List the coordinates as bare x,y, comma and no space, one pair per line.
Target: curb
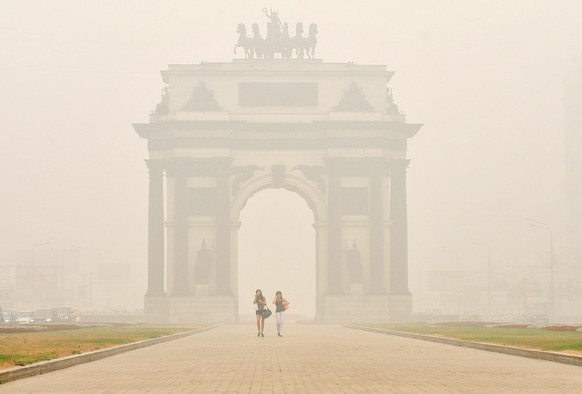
514,351
42,367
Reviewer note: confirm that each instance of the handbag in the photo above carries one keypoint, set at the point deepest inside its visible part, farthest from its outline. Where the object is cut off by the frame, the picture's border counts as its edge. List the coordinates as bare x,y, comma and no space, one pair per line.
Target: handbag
266,312
286,305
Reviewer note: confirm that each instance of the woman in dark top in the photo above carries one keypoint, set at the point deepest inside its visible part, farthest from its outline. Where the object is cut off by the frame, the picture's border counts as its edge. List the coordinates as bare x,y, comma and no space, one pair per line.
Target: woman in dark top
282,304
260,303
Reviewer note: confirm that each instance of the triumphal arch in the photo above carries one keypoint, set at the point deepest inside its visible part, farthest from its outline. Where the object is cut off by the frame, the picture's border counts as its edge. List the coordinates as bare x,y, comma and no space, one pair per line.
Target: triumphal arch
277,119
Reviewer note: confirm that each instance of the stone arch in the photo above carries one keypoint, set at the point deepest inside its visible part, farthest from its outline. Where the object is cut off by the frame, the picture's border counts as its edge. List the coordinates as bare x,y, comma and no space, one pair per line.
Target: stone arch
315,201
348,165
304,189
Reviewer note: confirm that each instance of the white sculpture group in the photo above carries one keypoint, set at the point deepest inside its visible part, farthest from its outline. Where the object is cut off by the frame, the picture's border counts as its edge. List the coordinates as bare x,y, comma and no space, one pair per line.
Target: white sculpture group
277,41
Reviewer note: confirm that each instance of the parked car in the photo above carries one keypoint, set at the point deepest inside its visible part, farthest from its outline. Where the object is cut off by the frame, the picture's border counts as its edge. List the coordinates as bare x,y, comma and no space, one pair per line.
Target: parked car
43,316
8,317
536,319
66,315
23,317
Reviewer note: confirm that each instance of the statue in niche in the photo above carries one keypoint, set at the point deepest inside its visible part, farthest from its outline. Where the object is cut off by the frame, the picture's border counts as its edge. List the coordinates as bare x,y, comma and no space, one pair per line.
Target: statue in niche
354,263
203,265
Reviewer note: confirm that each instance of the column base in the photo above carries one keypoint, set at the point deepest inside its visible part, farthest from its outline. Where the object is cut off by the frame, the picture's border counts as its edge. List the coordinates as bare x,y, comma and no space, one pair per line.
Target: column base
156,308
203,309
401,307
366,309
190,309
155,293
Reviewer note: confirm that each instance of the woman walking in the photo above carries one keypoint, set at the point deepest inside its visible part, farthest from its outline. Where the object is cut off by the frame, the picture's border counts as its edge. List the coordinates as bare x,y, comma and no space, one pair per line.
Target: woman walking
260,303
282,304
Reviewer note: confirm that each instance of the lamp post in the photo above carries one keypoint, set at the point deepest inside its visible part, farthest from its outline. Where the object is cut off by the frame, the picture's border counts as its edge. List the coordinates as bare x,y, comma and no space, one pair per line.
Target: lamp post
457,282
545,226
44,241
485,244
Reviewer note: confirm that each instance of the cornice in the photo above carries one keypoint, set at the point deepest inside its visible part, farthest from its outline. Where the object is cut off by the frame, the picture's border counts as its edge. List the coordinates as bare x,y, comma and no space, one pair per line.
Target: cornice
147,130
262,67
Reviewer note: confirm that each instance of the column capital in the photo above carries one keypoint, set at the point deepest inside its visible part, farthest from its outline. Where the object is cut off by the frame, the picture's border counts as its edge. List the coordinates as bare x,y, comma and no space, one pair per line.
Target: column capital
398,164
156,164
214,166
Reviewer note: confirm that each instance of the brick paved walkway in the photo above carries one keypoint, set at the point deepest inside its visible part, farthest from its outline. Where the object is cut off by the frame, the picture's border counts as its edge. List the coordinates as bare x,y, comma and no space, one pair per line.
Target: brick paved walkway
312,358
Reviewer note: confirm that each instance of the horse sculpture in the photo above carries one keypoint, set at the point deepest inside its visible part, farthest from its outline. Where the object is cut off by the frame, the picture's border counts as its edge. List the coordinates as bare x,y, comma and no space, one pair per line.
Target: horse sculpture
244,41
297,41
258,42
286,45
277,40
311,41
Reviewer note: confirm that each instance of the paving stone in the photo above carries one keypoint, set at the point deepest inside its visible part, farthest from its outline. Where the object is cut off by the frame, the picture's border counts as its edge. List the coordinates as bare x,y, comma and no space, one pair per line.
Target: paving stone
311,358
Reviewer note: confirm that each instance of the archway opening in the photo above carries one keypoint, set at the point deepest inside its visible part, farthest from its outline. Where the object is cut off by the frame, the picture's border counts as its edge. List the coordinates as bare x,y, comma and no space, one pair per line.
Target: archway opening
276,251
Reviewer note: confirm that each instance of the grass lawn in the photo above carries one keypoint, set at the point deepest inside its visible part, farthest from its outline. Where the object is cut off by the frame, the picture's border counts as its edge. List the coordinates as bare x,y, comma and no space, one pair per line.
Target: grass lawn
527,338
22,348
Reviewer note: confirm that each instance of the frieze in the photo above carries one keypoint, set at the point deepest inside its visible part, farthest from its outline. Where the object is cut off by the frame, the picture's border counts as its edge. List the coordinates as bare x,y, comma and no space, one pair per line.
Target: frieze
242,174
353,101
315,175
202,100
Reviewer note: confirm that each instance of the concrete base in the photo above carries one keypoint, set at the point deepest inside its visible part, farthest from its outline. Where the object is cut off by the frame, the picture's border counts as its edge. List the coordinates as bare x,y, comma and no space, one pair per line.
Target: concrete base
366,309
344,309
224,309
356,289
401,308
156,309
204,309
202,290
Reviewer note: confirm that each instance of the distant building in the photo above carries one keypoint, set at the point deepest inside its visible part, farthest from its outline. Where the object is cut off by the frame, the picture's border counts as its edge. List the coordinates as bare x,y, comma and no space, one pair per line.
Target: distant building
573,155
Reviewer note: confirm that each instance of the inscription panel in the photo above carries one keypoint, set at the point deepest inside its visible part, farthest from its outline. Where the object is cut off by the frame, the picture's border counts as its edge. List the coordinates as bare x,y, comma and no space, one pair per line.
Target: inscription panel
278,94
202,201
354,200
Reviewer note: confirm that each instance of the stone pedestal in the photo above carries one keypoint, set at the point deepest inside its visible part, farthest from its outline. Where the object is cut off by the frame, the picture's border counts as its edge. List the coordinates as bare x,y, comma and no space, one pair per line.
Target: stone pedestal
356,289
202,290
156,309
202,309
190,309
367,309
357,309
401,308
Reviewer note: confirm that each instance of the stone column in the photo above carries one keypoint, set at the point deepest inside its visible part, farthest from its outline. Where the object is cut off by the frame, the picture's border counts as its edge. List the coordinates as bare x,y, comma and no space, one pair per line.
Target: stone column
376,224
180,231
334,237
398,229
156,229
223,234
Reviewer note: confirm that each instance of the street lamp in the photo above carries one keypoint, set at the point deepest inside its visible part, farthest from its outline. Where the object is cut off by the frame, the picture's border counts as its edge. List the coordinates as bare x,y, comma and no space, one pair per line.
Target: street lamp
457,282
44,241
485,244
545,226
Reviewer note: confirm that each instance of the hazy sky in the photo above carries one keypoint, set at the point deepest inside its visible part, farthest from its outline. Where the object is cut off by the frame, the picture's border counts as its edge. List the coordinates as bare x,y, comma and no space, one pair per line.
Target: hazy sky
485,77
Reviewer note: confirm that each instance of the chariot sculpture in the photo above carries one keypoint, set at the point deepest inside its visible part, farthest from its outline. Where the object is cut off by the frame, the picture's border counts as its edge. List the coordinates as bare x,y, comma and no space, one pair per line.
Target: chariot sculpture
277,43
